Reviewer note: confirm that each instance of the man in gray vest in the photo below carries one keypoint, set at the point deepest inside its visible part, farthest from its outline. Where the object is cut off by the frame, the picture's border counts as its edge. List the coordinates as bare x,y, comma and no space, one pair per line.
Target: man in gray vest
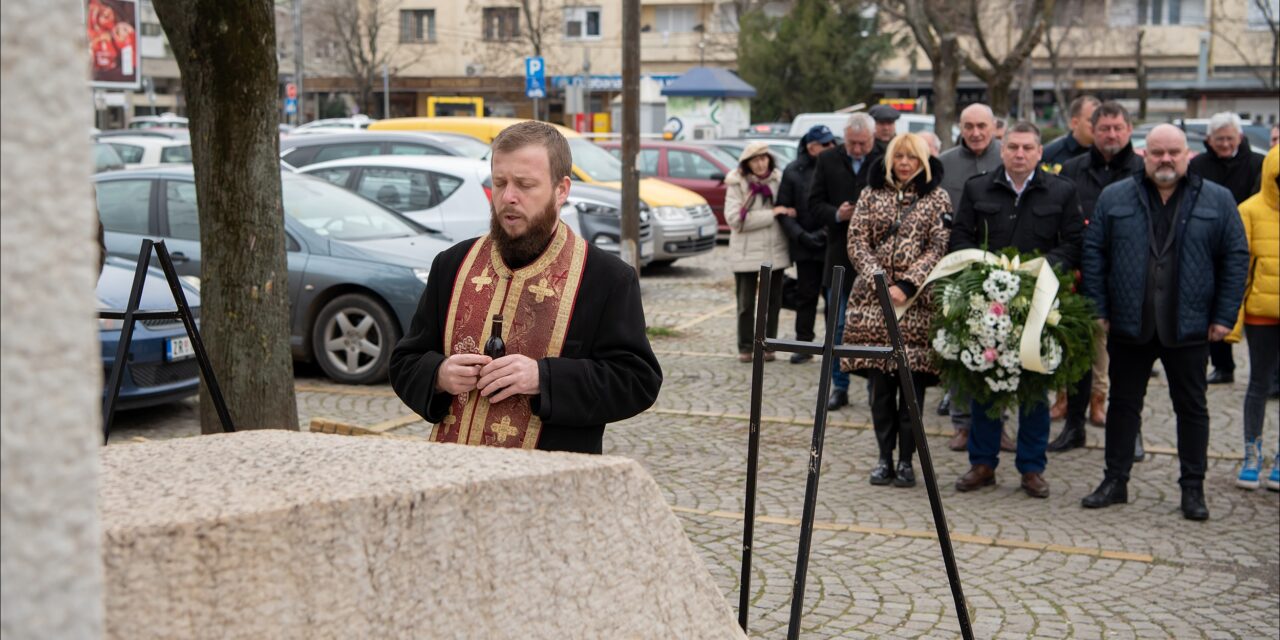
977,153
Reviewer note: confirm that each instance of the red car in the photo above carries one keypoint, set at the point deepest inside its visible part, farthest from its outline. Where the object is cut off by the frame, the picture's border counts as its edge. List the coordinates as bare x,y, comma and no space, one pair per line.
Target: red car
698,168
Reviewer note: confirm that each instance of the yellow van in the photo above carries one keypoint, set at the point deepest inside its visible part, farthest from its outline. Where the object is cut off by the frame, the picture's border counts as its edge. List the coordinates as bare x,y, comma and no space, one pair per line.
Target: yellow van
686,226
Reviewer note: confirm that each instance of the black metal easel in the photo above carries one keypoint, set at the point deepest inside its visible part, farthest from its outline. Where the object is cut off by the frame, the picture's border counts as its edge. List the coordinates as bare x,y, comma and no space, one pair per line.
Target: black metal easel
132,314
828,350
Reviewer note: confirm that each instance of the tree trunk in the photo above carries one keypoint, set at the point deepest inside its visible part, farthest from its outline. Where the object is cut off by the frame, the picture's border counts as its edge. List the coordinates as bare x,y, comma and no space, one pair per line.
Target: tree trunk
946,75
1141,73
225,50
998,86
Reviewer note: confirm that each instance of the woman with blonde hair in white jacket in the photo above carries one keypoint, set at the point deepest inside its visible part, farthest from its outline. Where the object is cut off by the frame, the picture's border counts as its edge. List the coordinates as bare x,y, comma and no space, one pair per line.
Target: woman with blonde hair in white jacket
755,237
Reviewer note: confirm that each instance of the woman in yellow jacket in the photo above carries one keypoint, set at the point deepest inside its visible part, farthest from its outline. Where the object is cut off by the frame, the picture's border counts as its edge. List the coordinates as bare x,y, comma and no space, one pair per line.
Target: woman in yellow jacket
1260,317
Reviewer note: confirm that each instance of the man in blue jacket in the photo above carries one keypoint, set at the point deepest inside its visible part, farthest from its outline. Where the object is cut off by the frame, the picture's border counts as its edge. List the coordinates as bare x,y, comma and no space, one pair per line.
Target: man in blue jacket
1165,260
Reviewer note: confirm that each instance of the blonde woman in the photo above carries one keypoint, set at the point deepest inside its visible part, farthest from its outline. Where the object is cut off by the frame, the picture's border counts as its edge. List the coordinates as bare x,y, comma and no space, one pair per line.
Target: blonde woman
755,237
897,228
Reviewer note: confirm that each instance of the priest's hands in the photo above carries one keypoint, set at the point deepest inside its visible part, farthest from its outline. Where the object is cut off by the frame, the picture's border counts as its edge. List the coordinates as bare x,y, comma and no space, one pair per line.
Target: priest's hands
460,372
508,376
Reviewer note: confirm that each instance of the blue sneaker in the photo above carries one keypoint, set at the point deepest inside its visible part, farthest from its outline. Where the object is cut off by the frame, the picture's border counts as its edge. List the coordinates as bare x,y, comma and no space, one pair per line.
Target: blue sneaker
1273,480
1251,470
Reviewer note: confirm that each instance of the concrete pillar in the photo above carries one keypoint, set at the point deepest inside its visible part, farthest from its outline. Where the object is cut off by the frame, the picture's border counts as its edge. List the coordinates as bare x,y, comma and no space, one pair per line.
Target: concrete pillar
50,562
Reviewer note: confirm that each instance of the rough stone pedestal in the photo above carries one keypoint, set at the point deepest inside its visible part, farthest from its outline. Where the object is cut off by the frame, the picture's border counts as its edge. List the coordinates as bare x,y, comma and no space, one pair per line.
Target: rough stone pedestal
274,534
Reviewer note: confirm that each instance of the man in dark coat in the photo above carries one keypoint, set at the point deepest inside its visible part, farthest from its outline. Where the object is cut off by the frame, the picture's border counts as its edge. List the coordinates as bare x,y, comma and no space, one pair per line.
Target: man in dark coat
1078,140
1023,207
1110,160
838,179
1228,161
576,353
1165,261
807,234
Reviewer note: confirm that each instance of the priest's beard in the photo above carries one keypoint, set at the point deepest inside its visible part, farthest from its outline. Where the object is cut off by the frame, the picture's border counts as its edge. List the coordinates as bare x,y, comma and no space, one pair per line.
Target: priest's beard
518,251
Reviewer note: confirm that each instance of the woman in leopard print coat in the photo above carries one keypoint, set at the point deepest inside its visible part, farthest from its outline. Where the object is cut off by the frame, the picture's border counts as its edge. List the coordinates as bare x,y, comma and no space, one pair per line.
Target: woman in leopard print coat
897,227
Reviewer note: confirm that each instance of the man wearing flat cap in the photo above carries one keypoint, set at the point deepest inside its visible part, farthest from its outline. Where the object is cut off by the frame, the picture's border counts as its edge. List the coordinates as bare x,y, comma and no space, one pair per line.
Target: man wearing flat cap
886,118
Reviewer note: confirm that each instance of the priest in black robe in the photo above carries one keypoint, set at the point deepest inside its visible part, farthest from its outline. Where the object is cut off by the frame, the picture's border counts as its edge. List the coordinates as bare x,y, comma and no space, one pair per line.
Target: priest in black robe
577,356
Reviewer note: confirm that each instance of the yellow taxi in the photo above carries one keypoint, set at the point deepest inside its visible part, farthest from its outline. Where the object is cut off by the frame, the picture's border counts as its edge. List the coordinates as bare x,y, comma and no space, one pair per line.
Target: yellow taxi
686,226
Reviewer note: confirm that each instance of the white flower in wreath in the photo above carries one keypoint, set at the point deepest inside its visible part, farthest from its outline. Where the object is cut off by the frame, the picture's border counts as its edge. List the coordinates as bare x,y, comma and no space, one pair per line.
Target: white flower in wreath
1054,318
1052,350
1001,285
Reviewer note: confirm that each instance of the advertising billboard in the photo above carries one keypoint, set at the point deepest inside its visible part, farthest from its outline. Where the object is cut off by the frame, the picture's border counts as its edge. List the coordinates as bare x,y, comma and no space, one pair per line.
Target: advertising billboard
112,27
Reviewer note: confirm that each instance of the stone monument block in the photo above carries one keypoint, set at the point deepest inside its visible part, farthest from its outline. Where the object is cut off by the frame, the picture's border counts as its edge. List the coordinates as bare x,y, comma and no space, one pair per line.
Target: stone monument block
273,534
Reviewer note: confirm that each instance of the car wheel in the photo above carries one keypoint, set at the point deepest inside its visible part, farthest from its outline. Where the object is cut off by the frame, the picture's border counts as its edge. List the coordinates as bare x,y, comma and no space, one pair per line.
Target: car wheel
352,339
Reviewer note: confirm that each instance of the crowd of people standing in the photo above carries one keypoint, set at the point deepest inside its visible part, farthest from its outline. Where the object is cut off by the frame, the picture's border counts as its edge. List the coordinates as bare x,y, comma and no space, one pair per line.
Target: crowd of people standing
1180,257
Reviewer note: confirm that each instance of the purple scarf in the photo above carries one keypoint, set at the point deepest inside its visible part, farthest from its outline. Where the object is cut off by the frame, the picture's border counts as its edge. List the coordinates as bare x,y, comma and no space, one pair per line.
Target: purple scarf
756,189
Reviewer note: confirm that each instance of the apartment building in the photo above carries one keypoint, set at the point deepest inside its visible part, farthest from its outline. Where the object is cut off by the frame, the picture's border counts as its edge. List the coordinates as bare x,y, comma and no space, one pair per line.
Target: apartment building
1199,57
443,55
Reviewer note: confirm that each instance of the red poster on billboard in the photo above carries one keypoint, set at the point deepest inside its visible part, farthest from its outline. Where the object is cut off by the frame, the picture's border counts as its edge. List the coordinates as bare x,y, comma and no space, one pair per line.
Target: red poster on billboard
112,27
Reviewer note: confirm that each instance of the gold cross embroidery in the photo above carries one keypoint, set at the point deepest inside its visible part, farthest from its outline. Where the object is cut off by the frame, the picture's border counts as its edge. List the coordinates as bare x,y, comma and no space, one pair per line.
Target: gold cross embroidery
503,430
542,291
481,281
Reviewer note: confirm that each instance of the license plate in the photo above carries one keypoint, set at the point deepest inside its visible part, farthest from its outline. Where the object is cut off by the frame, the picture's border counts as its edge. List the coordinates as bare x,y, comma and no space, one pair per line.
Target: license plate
178,349
646,249
707,231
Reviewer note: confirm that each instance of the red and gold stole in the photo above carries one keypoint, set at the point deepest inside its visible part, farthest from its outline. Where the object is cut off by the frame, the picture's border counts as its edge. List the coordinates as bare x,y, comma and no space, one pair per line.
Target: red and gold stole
536,303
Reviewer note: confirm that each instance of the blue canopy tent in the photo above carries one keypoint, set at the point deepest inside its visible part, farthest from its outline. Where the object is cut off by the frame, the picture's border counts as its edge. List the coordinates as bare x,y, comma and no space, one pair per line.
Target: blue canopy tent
707,102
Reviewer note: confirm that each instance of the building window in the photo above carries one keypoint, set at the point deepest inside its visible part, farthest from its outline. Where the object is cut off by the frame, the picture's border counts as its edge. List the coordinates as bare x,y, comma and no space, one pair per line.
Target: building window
152,29
1128,13
581,22
677,19
501,23
1263,13
418,25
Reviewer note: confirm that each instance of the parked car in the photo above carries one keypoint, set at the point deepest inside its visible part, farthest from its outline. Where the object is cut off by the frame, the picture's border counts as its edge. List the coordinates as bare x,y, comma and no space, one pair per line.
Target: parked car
149,151
356,268
698,167
591,164
784,150
442,193
358,121
768,130
165,120
165,133
304,150
600,219
162,366
105,158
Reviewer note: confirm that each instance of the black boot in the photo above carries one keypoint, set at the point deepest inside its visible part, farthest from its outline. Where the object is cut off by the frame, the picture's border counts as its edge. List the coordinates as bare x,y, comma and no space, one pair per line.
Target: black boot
1193,507
905,475
1072,437
839,398
883,473
1108,493
944,405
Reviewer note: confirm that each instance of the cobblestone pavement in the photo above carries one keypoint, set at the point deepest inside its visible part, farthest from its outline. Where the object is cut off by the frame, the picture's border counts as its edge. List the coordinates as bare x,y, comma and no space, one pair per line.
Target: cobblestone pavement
1030,568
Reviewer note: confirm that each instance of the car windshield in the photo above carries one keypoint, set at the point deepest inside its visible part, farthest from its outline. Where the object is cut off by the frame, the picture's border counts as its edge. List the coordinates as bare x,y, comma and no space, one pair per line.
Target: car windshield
594,161
336,213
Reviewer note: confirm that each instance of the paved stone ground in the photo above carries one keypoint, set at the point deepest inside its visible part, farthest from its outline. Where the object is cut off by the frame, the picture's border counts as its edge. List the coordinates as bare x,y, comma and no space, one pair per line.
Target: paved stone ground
1030,568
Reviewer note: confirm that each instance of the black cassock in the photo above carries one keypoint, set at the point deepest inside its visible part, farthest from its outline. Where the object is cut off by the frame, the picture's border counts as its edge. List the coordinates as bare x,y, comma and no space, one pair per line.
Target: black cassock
606,371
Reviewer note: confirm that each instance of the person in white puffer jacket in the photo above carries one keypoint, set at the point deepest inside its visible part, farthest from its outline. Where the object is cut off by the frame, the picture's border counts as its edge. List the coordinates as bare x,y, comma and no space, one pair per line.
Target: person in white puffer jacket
755,237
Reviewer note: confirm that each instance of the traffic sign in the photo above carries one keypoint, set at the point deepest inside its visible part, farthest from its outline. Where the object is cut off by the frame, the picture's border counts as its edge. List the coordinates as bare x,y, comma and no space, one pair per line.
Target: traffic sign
291,105
535,77
291,91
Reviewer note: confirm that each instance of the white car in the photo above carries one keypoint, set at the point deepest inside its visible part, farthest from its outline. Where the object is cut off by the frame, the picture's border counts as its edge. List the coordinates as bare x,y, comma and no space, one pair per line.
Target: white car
149,151
166,120
447,194
328,125
443,193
